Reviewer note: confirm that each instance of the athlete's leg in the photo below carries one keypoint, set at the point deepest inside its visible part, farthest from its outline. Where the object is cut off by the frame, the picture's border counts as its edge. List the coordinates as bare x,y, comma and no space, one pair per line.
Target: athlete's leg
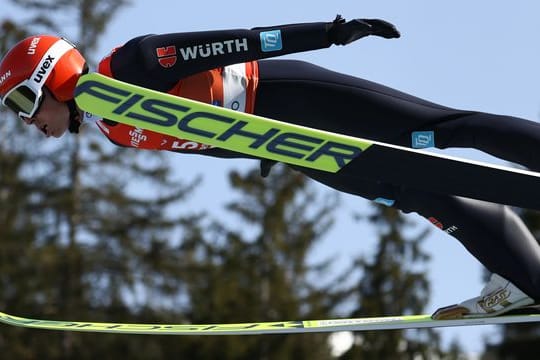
300,92
309,95
506,137
492,233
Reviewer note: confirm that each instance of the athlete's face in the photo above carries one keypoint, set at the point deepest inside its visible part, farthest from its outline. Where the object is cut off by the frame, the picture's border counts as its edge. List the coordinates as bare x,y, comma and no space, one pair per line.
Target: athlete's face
52,117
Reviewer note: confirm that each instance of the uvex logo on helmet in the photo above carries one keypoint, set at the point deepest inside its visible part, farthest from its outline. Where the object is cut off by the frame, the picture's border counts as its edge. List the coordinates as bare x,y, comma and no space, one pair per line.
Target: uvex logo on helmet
33,46
43,69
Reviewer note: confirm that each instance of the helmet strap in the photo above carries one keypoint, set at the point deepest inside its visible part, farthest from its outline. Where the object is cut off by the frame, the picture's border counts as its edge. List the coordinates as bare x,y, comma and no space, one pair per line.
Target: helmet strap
74,117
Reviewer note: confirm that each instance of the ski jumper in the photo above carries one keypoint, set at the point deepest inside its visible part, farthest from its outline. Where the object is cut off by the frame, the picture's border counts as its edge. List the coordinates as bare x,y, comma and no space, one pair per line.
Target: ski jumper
228,68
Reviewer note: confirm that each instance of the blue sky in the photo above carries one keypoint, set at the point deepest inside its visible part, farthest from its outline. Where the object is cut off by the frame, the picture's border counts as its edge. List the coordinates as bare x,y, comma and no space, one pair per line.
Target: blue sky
478,55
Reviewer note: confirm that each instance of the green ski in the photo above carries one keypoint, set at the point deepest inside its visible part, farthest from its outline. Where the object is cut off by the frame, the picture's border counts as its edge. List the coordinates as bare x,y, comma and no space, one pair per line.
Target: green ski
276,327
302,146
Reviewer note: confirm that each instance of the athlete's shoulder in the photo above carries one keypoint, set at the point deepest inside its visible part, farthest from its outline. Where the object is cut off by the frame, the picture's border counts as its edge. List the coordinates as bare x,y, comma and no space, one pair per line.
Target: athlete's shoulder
122,54
104,66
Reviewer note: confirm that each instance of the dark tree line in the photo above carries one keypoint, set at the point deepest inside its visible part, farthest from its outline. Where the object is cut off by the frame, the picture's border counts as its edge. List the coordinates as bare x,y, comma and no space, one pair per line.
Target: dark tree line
89,232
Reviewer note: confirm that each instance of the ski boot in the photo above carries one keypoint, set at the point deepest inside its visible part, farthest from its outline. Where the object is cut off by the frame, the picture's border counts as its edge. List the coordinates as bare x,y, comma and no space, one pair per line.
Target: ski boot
498,297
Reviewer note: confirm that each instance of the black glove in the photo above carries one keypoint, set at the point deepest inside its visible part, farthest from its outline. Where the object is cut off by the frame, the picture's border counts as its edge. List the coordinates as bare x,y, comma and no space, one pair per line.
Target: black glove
343,32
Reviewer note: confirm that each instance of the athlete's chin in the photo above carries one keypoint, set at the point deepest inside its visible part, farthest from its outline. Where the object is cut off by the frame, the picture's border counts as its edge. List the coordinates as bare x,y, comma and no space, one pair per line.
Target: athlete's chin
58,133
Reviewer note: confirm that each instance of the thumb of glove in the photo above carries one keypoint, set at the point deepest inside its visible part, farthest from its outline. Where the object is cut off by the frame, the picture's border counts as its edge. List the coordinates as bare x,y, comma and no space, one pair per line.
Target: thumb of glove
343,33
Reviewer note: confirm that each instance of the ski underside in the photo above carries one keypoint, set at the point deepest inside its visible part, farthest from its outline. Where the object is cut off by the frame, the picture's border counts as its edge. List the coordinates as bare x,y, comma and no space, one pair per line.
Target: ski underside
278,327
305,147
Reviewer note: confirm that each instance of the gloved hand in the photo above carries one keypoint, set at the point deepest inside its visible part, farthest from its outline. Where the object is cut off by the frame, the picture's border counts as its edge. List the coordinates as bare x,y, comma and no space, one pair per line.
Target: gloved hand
343,32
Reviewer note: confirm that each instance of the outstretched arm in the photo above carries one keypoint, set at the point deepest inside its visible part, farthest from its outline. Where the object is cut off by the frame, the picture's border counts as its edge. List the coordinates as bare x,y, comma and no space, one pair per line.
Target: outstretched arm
170,57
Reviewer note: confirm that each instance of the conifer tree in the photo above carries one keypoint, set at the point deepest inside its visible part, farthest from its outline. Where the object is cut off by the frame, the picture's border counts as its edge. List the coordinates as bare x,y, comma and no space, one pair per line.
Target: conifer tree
393,281
258,270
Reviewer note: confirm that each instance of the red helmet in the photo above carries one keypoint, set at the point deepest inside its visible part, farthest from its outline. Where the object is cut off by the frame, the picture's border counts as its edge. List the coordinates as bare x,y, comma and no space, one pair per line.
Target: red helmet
38,61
